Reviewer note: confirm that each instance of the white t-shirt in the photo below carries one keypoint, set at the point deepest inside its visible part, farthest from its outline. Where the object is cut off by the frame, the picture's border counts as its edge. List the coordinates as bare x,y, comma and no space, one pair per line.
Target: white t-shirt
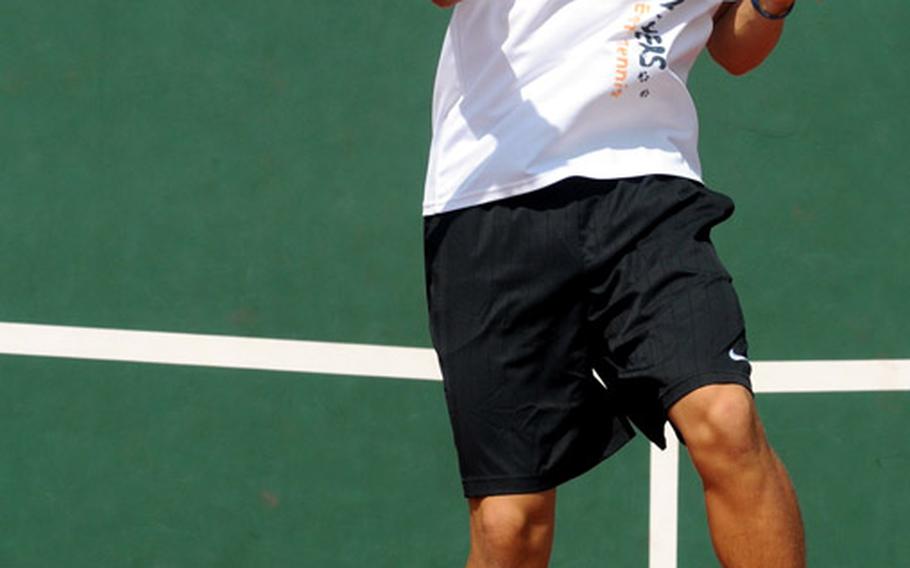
529,92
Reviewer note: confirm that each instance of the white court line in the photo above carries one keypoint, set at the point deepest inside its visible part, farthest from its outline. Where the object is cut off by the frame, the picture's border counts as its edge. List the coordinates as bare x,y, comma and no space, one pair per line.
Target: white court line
376,360
663,503
420,363
831,376
218,351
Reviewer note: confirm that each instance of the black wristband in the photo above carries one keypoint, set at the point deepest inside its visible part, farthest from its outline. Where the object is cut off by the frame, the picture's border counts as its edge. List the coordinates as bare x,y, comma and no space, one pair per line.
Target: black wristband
765,14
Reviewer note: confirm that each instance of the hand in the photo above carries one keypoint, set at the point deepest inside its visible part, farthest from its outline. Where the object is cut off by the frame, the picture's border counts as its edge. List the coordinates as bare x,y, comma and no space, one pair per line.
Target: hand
446,3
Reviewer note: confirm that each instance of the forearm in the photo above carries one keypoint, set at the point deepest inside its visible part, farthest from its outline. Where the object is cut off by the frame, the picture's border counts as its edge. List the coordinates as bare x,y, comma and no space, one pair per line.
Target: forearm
743,38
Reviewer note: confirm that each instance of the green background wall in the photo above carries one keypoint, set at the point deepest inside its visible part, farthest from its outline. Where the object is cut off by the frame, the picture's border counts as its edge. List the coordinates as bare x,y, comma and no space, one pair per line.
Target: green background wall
255,168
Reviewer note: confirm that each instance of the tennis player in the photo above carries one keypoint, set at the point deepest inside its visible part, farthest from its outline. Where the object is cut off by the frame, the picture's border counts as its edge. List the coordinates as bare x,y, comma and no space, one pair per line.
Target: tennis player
574,292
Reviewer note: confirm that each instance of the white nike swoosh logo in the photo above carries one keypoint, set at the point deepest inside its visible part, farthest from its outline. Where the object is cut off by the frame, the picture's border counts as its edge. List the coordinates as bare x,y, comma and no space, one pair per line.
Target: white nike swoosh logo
736,356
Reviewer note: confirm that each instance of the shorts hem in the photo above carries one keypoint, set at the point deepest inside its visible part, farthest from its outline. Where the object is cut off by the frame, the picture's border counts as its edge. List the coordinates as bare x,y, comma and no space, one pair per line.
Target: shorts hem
681,389
511,485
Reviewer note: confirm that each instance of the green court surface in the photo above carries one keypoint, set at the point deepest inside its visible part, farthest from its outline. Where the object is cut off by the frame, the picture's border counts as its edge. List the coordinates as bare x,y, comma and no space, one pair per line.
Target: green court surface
849,460
255,169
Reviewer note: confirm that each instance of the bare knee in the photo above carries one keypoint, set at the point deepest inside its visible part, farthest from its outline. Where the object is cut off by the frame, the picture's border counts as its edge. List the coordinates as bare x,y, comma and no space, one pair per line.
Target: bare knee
721,429
507,529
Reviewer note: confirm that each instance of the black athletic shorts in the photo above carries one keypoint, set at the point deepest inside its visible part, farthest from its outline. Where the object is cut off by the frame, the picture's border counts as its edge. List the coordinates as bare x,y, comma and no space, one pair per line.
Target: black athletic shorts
535,297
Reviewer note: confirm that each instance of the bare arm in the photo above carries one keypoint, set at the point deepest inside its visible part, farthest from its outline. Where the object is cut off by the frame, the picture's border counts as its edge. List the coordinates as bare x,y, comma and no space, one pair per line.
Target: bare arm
742,38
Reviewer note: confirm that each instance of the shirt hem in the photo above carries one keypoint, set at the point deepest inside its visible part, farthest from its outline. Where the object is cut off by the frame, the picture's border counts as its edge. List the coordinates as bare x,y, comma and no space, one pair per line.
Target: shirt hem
533,183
